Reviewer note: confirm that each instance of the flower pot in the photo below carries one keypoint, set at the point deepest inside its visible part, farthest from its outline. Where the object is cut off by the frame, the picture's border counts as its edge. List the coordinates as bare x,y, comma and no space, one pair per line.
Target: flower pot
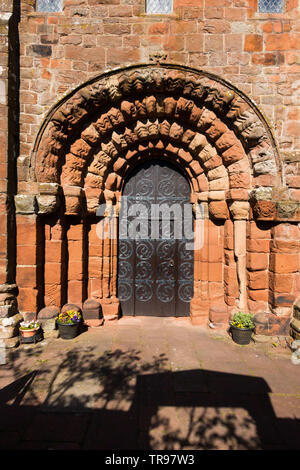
29,333
241,335
68,330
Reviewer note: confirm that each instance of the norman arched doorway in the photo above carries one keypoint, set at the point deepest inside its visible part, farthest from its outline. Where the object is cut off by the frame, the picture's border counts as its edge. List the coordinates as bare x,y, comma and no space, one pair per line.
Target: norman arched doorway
95,137
155,256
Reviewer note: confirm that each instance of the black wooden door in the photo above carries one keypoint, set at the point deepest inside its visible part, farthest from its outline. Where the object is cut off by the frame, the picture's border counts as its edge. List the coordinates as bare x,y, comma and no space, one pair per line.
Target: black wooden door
155,259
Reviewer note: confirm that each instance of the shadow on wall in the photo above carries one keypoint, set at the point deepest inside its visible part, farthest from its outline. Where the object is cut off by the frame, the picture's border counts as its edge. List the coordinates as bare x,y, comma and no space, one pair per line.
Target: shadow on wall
115,401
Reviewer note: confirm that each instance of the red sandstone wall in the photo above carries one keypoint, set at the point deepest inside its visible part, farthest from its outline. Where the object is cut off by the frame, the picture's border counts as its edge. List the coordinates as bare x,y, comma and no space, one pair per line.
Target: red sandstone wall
259,53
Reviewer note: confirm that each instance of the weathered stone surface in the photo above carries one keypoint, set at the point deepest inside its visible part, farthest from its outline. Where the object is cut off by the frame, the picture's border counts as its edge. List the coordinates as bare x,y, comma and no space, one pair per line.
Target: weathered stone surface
8,331
267,167
47,204
216,195
286,209
218,209
29,316
92,309
264,194
25,204
47,324
295,324
67,307
219,184
8,288
12,321
296,309
51,334
240,210
7,310
261,338
265,210
48,312
49,188
270,324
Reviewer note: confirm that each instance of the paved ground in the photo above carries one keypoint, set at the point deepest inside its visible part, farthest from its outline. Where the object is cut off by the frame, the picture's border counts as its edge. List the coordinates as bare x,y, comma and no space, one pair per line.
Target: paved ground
149,383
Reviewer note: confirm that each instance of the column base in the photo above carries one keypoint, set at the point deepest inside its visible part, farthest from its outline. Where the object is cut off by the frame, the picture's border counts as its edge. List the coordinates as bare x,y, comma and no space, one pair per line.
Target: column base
272,325
199,310
92,313
110,308
219,315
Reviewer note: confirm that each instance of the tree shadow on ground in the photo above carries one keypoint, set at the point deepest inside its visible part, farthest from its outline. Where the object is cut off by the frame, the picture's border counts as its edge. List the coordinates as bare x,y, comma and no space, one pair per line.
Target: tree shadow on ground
115,400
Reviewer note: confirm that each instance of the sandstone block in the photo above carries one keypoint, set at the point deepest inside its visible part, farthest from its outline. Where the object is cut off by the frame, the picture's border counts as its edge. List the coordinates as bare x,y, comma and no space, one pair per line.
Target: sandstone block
7,310
283,263
240,210
258,280
257,261
218,209
51,334
70,306
265,210
47,324
219,184
47,204
48,312
8,331
49,188
12,321
25,204
92,310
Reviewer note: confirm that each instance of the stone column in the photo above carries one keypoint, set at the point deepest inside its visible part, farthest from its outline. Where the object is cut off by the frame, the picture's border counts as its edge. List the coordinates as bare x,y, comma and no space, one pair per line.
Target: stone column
8,152
29,245
284,275
95,261
108,227
240,214
199,306
231,284
218,209
76,263
55,264
258,248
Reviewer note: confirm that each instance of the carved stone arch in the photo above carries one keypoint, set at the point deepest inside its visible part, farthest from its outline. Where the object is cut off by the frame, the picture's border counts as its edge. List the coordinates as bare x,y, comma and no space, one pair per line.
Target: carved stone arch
93,138
124,111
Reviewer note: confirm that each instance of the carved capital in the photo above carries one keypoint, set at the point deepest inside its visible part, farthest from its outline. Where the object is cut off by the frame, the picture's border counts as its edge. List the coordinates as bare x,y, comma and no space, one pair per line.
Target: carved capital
47,204
200,210
240,210
25,204
73,200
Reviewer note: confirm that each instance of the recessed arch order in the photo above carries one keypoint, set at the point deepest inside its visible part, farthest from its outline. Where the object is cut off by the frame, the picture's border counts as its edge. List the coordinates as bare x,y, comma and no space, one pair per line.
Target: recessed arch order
93,138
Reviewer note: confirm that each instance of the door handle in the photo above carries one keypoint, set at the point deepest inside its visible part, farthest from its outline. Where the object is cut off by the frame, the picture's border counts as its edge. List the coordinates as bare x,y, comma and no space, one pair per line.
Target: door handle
171,262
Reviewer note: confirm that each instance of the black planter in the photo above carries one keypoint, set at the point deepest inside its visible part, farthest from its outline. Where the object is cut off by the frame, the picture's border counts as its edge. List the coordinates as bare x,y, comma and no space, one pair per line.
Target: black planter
68,330
241,335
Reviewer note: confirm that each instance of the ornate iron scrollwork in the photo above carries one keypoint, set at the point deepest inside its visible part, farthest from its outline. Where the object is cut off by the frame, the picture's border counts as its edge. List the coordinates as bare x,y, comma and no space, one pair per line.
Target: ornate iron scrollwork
155,276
